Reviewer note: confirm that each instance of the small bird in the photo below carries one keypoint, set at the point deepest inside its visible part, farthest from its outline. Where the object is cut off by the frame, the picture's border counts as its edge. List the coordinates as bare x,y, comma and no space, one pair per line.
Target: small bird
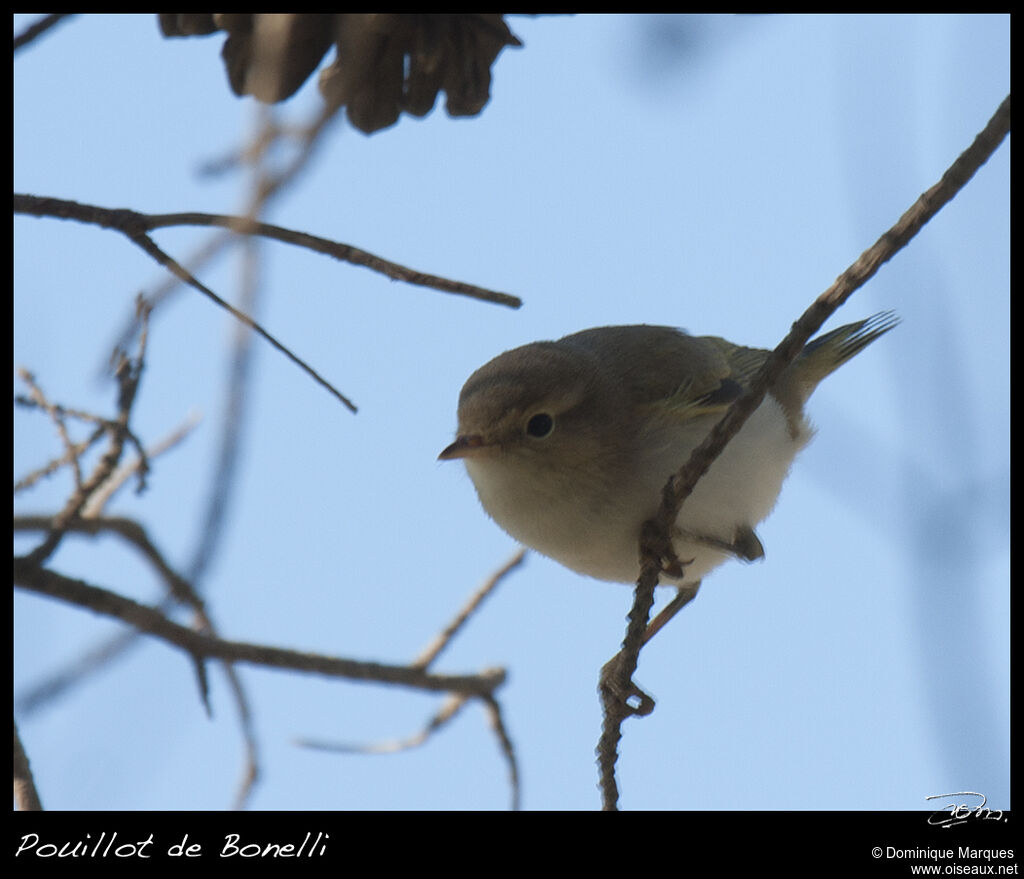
570,443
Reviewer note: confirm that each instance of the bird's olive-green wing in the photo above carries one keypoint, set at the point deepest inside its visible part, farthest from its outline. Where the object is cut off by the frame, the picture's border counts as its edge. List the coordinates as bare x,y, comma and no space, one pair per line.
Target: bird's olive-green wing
690,376
663,367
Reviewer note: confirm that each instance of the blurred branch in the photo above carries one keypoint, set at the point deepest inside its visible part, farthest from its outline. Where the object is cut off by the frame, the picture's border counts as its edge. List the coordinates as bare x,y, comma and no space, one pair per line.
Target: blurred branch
40,27
72,451
100,498
263,186
182,592
507,749
232,428
84,518
128,373
656,553
90,522
268,186
26,797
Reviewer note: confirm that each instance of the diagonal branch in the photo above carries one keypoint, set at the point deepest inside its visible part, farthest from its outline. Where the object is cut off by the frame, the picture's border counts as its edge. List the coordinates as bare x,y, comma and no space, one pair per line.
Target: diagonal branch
148,245
136,227
656,546
39,27
433,650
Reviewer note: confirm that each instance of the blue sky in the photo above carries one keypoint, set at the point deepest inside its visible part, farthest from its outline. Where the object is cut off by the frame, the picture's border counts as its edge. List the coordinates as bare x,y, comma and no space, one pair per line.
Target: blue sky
713,173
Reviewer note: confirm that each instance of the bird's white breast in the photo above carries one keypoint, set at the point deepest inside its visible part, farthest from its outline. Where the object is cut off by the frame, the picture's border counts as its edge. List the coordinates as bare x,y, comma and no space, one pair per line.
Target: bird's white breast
593,525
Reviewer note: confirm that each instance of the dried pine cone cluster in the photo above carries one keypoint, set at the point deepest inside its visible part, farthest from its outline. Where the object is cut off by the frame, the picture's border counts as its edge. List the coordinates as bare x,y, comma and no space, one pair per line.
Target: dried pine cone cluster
385,64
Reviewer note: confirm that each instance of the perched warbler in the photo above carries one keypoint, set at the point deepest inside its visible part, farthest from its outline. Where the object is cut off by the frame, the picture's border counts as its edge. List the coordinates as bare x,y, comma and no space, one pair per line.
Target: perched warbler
569,443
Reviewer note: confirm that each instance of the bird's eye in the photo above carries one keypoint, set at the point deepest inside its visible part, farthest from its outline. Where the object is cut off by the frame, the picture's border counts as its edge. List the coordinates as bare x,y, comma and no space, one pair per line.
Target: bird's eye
540,425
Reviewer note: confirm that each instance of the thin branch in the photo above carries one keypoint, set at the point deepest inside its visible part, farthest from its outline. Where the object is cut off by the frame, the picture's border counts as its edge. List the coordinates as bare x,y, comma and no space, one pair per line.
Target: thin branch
448,711
134,534
46,690
90,521
431,652
39,27
656,545
123,473
52,466
507,749
150,247
178,588
26,797
128,373
168,285
72,451
201,646
183,592
232,425
134,224
450,708
268,186
265,186
455,702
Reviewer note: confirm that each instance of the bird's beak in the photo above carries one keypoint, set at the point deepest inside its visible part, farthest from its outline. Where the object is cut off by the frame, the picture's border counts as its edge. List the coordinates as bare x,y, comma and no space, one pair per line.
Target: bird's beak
463,447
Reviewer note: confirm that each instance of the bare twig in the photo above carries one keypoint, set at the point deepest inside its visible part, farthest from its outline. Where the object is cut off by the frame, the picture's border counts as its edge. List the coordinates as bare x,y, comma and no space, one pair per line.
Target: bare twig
431,652
656,546
90,521
128,373
47,689
119,477
268,186
39,27
148,245
454,703
201,646
178,588
450,708
84,666
26,797
71,454
72,451
183,592
448,711
135,535
136,225
507,749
